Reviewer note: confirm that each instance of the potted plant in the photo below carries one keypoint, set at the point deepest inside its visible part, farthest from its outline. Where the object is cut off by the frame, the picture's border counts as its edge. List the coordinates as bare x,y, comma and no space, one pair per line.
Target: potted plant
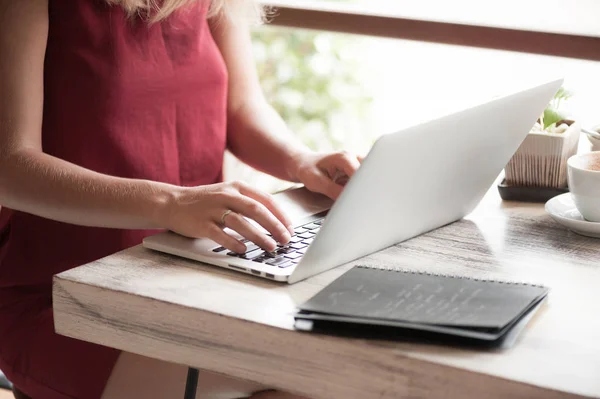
538,170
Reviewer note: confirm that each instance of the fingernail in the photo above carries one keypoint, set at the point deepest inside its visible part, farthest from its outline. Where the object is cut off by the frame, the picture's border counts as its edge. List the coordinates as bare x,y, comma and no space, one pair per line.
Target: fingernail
291,230
272,246
286,237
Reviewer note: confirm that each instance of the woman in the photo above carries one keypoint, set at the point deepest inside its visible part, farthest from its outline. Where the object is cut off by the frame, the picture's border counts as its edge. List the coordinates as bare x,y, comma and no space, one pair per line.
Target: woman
114,117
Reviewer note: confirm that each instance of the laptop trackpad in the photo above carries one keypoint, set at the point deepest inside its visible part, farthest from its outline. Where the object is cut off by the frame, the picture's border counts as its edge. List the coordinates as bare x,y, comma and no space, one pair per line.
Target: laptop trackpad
301,203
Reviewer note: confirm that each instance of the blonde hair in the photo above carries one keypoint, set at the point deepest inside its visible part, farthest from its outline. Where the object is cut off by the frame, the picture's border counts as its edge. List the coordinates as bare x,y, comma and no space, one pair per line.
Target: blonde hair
157,10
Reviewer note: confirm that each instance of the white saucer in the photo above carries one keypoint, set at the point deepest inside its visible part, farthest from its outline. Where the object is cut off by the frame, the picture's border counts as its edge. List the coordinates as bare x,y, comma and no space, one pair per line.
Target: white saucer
563,210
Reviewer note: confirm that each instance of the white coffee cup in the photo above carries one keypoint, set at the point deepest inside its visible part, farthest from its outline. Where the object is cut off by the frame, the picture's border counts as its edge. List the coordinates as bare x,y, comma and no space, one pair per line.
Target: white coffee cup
584,184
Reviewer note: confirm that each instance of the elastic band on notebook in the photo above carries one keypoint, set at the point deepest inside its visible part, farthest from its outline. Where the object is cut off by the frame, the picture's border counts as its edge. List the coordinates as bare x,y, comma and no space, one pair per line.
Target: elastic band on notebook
484,280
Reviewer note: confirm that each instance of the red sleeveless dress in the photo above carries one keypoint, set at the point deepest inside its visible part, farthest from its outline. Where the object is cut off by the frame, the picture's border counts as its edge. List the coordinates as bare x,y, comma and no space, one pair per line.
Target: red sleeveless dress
122,98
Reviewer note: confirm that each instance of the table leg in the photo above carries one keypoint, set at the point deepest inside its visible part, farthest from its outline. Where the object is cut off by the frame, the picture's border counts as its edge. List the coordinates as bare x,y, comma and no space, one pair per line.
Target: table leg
191,384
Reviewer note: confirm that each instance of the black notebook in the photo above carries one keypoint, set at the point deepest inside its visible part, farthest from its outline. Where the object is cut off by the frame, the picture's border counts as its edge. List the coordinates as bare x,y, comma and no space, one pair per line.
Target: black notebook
436,304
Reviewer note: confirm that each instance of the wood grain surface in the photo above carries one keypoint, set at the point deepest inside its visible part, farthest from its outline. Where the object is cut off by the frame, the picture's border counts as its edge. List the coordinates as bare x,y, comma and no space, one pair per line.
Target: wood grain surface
193,314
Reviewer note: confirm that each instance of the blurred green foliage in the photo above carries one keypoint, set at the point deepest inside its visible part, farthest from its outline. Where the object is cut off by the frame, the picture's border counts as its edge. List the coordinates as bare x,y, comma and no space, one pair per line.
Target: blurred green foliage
553,112
312,79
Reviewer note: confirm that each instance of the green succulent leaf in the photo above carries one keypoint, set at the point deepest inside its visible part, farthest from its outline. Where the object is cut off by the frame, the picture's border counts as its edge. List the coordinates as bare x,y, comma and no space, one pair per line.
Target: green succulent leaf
551,116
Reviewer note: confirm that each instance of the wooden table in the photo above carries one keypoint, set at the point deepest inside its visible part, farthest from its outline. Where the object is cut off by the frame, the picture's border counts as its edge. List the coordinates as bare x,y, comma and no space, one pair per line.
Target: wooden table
184,312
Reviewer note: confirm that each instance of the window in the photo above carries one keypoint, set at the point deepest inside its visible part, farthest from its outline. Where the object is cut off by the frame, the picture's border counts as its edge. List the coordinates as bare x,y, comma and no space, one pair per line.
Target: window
344,90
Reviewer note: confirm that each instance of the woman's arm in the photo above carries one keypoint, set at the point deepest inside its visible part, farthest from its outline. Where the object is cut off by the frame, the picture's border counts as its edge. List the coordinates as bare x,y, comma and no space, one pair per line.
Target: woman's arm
34,182
256,133
38,183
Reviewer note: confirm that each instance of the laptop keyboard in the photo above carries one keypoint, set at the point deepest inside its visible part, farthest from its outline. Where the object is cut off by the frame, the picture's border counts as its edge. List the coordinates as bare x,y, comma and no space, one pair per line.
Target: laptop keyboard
285,255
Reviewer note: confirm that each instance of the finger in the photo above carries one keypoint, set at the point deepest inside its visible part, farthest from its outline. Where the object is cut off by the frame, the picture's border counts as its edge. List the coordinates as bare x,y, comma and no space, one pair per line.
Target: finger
245,228
326,186
340,178
256,211
360,158
217,234
268,201
346,163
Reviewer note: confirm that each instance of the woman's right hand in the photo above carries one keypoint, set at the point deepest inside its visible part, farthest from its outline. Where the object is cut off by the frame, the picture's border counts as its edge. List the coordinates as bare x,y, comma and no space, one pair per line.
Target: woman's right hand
197,212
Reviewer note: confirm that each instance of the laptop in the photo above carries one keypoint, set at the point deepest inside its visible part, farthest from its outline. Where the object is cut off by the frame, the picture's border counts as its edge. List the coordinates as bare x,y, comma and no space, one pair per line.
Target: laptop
411,182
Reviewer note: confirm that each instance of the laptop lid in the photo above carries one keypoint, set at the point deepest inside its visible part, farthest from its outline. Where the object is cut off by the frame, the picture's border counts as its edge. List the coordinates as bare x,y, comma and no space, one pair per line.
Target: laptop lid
424,177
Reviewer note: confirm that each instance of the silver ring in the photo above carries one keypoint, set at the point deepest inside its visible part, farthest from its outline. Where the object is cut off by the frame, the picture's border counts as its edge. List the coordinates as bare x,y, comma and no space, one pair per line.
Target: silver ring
227,212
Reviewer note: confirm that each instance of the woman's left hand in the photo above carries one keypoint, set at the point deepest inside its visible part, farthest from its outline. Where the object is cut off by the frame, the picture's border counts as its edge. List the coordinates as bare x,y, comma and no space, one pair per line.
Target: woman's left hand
327,173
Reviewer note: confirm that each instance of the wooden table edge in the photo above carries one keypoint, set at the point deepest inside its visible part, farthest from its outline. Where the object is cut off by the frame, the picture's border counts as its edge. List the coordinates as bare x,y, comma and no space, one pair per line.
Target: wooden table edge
425,378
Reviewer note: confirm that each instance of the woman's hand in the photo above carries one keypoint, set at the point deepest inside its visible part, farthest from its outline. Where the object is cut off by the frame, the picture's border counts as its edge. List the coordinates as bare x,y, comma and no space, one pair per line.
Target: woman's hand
204,211
326,173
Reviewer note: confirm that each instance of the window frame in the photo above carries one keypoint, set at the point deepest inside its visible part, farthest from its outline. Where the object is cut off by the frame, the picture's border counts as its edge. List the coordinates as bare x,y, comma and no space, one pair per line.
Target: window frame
570,40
